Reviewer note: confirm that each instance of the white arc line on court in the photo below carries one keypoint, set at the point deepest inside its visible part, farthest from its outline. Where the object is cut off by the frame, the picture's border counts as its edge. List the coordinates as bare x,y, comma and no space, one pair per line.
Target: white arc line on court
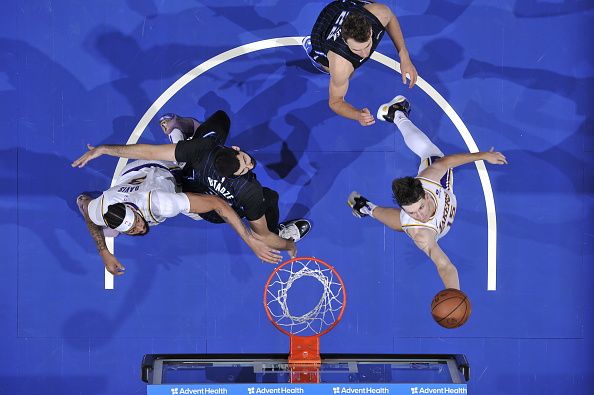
386,61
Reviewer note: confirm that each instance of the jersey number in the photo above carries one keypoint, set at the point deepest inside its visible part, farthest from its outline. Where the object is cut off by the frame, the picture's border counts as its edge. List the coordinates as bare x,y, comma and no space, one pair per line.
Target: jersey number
335,32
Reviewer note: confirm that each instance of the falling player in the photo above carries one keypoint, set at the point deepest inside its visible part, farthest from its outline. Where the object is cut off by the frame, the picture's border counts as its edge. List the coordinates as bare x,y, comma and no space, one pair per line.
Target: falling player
427,201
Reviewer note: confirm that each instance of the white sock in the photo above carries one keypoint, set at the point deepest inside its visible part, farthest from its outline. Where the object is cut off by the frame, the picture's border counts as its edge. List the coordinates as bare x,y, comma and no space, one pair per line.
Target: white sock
414,139
176,136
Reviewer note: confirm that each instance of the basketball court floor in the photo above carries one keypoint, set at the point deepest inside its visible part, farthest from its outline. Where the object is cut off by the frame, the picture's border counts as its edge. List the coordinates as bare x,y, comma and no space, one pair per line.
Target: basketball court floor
514,75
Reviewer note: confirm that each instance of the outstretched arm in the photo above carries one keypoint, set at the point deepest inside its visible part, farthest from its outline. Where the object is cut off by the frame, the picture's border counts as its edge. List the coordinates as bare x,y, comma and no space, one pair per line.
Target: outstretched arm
340,71
438,169
131,151
205,203
271,239
389,20
388,216
425,240
109,260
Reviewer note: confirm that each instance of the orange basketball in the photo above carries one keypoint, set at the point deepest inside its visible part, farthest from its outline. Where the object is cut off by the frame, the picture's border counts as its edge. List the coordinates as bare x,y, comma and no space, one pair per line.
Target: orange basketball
451,308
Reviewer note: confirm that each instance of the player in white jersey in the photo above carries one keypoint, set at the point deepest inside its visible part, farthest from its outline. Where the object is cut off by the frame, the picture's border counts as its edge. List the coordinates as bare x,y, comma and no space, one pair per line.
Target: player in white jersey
441,197
427,201
145,195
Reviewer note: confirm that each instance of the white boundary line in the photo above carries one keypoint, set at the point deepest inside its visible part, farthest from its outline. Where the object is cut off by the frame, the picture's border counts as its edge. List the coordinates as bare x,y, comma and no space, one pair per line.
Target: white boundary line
386,61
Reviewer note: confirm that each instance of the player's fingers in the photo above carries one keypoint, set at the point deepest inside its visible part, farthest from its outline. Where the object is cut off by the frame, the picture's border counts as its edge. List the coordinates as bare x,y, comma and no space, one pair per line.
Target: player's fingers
268,260
78,163
90,147
403,77
82,161
413,80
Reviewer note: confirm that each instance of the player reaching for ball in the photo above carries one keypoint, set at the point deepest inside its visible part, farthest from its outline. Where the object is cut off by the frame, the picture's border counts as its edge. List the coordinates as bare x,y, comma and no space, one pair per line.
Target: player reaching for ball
427,201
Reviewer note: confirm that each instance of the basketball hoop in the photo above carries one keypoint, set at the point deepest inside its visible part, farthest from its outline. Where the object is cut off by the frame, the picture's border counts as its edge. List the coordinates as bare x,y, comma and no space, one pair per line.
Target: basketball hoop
304,328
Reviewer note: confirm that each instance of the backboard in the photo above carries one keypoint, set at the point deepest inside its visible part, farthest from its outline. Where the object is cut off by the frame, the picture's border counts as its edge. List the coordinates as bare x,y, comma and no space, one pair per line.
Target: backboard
254,374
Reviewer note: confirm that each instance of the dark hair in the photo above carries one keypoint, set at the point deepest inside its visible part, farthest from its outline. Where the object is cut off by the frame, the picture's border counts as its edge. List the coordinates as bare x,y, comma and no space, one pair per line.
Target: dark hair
357,27
226,161
115,216
407,190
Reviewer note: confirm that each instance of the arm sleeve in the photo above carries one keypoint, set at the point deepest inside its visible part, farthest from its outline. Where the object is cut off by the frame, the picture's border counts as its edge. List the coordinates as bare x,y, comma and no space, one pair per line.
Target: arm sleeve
176,136
168,204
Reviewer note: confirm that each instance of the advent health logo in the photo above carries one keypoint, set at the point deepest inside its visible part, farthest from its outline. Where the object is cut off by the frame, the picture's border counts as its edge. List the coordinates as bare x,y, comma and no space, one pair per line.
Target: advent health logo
363,390
445,390
198,391
275,390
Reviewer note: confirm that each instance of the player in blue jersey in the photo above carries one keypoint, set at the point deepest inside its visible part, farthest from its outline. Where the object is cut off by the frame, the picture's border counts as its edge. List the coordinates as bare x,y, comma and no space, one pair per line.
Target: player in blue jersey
214,169
343,38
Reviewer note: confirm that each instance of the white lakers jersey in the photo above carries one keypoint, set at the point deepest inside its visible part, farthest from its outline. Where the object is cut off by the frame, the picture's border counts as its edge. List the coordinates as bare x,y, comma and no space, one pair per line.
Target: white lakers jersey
445,203
147,185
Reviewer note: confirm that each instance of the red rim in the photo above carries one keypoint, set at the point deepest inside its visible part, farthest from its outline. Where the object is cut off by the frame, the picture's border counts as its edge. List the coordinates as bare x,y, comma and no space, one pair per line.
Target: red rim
271,318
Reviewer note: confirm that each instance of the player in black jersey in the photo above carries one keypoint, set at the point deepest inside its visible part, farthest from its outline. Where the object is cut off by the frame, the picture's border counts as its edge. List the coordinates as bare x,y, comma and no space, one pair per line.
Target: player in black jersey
212,168
343,38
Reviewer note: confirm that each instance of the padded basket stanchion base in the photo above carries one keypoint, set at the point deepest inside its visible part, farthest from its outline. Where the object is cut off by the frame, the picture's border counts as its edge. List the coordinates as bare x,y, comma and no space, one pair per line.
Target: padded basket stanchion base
304,359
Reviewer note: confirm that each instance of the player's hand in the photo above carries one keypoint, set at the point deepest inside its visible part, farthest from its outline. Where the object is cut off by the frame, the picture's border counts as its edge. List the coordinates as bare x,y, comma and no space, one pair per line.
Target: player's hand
494,158
112,264
264,252
292,249
365,118
406,67
92,153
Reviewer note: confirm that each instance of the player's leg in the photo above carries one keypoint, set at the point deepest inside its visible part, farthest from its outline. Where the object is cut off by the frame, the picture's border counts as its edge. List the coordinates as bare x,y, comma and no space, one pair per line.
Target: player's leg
362,207
397,112
272,212
315,57
178,128
294,229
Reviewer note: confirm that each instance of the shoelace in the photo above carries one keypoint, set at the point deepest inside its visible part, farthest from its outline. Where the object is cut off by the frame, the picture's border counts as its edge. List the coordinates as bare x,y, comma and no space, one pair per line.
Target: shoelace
289,232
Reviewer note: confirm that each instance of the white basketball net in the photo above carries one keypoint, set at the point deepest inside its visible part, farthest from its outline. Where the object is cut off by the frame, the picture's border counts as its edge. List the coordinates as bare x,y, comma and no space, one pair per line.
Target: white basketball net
326,311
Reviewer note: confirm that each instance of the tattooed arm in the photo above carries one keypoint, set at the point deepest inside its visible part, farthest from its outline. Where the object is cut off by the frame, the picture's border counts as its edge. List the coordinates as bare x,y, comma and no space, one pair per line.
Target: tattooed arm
109,260
205,203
